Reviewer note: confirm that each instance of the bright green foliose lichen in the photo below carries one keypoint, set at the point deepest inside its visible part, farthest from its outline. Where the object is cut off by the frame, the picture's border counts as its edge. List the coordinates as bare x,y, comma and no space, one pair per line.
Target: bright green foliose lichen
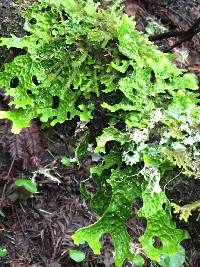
78,57
67,57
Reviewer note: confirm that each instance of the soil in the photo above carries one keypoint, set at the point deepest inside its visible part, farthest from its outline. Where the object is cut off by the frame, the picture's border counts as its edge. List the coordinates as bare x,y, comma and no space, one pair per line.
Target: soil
36,230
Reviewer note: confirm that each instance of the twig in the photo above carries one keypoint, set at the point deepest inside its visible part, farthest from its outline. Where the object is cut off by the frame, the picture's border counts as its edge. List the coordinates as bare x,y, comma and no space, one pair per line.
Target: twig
3,194
166,35
172,180
10,169
187,35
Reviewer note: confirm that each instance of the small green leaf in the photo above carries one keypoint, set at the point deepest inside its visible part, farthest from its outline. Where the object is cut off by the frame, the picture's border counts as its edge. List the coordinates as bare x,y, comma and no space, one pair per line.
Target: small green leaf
65,161
3,252
28,184
77,255
81,148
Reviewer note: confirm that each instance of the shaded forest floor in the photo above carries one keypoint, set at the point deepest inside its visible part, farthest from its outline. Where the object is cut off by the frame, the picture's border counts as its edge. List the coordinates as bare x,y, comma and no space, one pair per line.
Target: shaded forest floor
36,230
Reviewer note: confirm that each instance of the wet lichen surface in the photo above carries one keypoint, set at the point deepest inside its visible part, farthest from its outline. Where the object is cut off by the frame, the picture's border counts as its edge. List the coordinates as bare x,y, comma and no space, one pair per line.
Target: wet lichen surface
37,231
